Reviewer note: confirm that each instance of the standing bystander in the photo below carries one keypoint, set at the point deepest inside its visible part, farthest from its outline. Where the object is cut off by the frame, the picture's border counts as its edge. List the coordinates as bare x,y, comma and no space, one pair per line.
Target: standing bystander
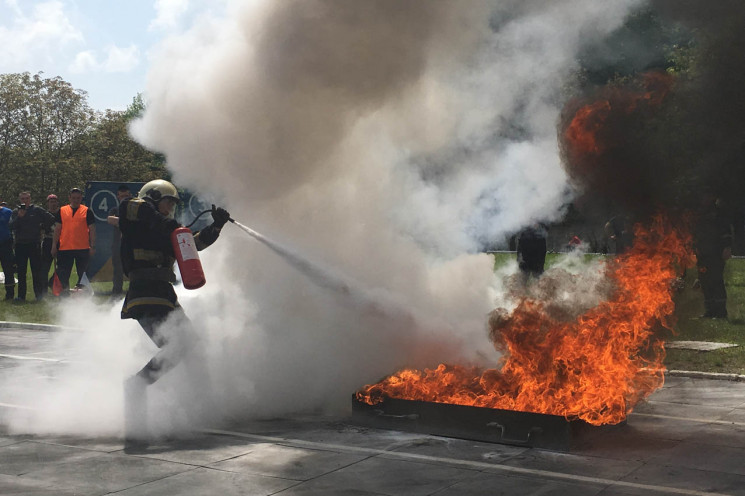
27,223
122,193
618,230
531,250
6,250
75,231
46,243
713,243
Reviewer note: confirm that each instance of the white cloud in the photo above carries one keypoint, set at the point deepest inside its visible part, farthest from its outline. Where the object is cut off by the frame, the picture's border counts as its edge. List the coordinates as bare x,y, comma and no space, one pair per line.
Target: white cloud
13,5
84,62
40,33
168,13
115,59
122,59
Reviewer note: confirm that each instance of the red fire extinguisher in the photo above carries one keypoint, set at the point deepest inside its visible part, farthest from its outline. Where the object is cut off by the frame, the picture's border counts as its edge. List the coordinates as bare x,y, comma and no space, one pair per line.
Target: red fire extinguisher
187,257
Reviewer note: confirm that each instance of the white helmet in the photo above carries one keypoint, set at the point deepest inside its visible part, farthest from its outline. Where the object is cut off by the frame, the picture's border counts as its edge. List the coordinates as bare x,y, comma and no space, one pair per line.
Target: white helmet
158,189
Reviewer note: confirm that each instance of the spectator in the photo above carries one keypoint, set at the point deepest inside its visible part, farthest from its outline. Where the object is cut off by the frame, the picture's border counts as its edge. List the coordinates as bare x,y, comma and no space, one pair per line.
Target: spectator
75,231
575,243
618,230
6,250
46,243
122,193
531,250
27,223
713,244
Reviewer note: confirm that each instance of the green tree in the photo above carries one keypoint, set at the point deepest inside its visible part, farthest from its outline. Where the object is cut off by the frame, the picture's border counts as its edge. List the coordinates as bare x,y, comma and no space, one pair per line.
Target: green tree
51,140
13,113
136,108
115,155
43,122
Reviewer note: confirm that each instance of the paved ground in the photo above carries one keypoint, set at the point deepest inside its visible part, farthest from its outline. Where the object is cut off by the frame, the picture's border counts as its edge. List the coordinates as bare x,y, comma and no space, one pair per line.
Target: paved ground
688,439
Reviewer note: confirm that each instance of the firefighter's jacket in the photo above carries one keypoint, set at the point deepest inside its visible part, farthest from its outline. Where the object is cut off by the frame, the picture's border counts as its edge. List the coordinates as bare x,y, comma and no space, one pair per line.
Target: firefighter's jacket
148,257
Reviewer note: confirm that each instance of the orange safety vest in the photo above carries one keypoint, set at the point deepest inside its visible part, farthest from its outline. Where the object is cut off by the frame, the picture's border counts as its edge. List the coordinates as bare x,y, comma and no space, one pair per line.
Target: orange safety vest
74,233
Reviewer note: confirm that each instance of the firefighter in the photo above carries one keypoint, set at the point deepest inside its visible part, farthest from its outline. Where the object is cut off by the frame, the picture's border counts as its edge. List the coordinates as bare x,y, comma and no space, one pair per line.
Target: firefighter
713,243
146,224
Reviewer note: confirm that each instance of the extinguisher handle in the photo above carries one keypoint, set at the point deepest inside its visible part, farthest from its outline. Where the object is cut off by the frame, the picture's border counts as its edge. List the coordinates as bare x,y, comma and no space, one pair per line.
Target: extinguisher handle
214,209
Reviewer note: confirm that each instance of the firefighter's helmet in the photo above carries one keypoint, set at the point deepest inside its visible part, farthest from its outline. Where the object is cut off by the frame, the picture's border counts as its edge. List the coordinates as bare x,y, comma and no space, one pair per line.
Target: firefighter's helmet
158,189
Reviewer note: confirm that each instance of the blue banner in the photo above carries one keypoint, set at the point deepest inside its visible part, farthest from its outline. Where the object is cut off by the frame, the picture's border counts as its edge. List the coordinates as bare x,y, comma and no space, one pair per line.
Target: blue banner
100,197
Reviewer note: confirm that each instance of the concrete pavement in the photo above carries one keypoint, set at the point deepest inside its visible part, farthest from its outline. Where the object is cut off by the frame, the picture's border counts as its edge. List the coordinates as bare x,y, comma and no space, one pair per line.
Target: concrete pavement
689,438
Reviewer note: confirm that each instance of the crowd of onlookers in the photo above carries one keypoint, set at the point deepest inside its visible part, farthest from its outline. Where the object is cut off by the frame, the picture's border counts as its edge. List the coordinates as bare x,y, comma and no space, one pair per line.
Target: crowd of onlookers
38,238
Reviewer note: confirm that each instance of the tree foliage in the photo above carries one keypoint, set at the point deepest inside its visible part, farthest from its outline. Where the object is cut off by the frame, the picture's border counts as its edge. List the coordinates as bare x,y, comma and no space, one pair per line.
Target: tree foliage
661,157
51,140
115,156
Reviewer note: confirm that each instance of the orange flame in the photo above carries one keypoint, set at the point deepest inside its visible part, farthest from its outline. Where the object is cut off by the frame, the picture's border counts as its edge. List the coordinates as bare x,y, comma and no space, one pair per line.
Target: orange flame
582,134
594,368
582,130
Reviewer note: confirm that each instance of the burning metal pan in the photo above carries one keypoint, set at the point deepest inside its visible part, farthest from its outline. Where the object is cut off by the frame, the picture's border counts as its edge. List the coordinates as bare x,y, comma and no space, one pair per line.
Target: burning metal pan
533,430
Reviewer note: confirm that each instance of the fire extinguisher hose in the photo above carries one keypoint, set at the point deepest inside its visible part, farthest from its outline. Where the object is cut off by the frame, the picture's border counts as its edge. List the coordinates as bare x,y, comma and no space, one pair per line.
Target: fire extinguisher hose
204,212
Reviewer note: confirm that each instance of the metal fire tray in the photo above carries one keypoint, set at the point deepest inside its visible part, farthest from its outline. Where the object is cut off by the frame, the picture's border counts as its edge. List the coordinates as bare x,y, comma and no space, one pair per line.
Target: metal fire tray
534,430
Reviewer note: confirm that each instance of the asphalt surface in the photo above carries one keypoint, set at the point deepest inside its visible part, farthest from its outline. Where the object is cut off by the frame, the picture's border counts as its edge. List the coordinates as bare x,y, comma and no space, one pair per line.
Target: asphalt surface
688,438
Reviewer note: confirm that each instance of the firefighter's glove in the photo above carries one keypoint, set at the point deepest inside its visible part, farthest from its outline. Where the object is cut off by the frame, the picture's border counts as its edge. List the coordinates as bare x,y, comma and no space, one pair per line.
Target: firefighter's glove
220,216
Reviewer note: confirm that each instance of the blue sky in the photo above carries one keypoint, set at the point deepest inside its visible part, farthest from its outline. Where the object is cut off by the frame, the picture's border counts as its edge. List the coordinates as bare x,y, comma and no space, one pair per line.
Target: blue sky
100,46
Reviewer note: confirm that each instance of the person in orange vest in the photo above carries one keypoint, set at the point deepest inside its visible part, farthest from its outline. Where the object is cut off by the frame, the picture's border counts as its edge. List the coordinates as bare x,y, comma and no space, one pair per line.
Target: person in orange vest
75,230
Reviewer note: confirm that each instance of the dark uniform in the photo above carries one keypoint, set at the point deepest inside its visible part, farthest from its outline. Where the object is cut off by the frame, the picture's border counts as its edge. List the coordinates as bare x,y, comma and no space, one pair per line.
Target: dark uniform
46,253
117,274
147,260
531,250
619,231
712,236
28,231
7,260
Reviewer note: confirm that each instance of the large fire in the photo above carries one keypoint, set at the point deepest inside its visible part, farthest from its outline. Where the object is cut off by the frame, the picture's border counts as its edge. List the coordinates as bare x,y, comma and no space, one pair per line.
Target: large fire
594,367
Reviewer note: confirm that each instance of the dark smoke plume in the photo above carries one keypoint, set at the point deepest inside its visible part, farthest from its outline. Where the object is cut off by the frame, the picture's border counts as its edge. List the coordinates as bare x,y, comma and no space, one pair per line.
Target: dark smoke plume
665,151
712,102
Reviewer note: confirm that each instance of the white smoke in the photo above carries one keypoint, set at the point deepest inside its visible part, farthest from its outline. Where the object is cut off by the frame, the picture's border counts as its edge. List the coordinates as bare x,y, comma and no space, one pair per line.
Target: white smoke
384,140
73,384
